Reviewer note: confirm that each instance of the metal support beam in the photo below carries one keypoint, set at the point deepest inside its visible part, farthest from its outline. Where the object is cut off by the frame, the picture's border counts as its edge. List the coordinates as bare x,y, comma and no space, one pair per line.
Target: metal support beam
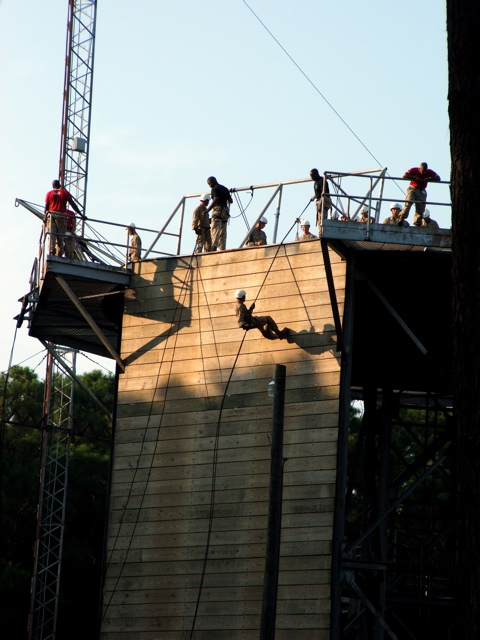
332,294
274,530
95,328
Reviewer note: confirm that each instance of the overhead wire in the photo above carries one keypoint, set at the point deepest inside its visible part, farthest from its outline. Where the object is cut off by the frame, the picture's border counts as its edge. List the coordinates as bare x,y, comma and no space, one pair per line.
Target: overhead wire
310,81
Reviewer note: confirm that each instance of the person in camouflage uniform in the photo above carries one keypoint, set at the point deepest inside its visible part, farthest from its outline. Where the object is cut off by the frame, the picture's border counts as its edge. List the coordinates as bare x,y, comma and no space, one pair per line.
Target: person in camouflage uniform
396,219
305,226
201,225
265,324
428,222
258,236
135,248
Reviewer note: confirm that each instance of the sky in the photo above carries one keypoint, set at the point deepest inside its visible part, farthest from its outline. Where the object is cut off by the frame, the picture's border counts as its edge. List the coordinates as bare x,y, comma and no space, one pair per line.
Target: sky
187,89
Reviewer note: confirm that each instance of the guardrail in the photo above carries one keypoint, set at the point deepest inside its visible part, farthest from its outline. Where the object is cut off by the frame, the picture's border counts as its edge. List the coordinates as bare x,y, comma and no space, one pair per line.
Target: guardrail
349,192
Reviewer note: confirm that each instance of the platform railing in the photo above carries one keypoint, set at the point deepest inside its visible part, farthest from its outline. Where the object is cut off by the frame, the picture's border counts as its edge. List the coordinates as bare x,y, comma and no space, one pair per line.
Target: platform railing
348,193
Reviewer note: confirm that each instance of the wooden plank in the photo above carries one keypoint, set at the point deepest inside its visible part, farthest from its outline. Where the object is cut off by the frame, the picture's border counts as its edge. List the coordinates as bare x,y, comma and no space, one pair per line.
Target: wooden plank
144,367
326,428
198,376
260,287
163,495
161,308
310,548
257,506
217,594
138,625
237,440
159,391
315,302
212,634
168,609
316,469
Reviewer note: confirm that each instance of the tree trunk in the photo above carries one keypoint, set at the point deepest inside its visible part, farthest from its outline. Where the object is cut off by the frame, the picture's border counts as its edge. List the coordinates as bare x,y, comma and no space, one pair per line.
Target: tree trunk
463,27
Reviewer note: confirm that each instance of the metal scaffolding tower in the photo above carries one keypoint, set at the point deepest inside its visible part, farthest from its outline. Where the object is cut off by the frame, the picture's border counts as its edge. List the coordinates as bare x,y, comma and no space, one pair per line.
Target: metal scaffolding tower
77,98
59,383
57,430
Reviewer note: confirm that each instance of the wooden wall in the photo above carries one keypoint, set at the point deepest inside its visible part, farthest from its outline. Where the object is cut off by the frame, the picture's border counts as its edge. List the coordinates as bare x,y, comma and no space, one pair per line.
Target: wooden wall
175,450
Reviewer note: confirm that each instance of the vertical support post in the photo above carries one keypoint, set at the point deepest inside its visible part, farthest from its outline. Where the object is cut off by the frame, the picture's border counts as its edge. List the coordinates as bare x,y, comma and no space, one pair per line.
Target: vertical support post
180,226
58,421
339,523
274,529
277,214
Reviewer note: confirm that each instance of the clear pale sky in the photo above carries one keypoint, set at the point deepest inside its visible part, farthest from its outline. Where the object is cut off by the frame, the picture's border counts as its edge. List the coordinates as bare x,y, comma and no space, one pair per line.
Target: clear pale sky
187,89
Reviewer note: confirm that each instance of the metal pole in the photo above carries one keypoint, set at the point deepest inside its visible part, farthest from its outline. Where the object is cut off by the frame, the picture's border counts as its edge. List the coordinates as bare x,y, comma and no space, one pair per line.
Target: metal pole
274,528
277,214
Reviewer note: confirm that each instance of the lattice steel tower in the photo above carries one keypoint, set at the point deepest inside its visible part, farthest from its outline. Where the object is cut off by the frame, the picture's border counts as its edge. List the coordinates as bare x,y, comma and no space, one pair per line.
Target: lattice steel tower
59,385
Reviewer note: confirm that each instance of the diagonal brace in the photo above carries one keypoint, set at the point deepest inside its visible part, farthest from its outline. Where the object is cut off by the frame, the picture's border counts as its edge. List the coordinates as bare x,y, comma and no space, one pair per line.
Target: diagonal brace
93,325
397,317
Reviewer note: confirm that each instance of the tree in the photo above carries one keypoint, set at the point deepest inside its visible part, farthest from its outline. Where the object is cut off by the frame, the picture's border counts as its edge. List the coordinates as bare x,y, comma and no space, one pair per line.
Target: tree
463,27
22,402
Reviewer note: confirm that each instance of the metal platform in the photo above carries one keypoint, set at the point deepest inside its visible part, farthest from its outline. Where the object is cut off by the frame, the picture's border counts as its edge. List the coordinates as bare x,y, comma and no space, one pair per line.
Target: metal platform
80,305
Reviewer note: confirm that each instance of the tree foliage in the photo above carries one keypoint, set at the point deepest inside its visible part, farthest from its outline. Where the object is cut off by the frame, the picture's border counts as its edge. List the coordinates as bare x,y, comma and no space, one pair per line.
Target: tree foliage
22,402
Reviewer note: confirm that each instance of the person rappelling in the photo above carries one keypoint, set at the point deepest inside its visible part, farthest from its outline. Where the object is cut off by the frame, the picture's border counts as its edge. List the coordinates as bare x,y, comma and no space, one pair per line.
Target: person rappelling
265,324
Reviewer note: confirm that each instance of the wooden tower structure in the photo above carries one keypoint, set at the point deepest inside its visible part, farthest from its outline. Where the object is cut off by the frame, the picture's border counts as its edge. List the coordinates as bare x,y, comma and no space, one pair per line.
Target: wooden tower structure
365,528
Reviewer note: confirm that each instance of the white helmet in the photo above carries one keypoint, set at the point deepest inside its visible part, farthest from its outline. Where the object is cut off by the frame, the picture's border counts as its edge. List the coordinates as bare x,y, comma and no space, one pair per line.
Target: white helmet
395,206
304,223
263,219
240,293
131,226
205,197
426,213
365,209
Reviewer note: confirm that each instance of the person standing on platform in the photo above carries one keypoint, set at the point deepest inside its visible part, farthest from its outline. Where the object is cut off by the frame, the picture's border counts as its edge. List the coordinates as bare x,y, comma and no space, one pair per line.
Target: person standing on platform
70,235
265,324
417,191
305,227
56,202
135,247
201,225
220,214
322,196
427,221
258,237
396,219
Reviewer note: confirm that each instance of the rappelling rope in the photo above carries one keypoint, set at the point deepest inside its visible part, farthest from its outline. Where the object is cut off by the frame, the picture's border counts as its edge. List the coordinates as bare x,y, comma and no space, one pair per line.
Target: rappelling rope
217,437
183,291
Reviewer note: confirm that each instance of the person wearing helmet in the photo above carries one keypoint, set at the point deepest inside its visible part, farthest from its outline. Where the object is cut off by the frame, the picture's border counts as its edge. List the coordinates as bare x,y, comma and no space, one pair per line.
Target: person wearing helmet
201,225
428,222
265,324
396,219
220,214
364,217
134,242
305,226
258,236
417,191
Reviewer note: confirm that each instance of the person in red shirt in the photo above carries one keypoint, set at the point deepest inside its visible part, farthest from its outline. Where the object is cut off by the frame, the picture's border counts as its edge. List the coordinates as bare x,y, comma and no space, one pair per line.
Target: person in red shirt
56,202
417,191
